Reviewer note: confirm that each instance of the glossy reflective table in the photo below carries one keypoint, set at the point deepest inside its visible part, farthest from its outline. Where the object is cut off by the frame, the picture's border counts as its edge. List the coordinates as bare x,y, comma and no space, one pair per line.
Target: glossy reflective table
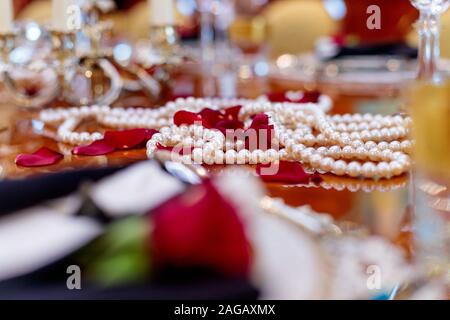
382,206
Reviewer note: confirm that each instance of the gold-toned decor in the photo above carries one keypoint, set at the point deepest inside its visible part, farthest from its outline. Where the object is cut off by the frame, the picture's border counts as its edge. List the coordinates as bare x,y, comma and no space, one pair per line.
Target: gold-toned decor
92,74
430,108
164,38
64,41
7,43
295,26
103,81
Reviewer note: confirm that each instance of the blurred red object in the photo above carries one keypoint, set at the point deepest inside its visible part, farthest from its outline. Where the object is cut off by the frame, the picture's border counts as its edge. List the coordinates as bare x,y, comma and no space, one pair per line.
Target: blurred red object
200,229
397,18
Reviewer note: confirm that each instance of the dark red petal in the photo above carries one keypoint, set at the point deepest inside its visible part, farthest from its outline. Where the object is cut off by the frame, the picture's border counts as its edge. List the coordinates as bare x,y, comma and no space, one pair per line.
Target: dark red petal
287,173
339,39
97,148
42,157
232,113
186,117
310,96
263,132
259,120
210,117
200,229
316,178
127,139
225,125
277,97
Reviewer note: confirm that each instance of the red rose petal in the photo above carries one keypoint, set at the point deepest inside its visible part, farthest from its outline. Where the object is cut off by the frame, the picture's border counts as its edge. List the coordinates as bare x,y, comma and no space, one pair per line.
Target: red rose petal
316,178
200,229
259,120
42,157
97,148
232,113
186,117
263,132
277,97
288,173
339,40
308,97
225,125
127,139
210,117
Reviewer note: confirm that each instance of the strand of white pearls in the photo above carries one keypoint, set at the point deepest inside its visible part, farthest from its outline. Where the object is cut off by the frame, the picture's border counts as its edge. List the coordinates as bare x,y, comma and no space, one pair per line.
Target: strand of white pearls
382,154
363,185
157,118
354,145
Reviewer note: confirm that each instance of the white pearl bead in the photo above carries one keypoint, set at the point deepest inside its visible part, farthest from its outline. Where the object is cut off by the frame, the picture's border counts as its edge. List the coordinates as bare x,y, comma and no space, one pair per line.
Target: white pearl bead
360,153
230,157
406,144
374,154
219,156
355,136
353,169
322,150
365,135
369,169
297,149
339,167
396,168
272,155
197,155
383,169
314,160
348,151
370,144
334,150
327,164
357,144
395,145
243,157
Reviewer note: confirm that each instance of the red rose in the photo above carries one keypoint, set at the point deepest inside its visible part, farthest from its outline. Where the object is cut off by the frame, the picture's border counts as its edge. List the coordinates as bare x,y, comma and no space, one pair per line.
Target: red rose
200,229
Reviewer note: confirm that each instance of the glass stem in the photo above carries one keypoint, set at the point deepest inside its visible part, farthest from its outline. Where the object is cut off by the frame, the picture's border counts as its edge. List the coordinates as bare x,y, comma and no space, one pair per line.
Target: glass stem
206,30
429,54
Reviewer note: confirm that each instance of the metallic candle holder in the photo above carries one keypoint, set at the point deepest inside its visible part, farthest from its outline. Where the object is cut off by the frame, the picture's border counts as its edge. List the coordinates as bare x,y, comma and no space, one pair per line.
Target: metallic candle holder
7,44
20,97
164,39
165,44
64,57
105,83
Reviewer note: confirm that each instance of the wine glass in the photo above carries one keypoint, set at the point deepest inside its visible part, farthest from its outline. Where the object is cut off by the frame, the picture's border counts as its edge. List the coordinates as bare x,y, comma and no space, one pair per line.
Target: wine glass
429,29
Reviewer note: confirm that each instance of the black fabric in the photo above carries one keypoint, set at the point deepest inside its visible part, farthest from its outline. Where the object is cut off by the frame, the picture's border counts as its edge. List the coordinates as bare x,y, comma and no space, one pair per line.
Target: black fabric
390,49
19,194
50,282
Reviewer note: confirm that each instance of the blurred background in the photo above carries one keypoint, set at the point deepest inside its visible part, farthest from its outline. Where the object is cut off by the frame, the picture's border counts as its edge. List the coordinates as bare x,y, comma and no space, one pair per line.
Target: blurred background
274,22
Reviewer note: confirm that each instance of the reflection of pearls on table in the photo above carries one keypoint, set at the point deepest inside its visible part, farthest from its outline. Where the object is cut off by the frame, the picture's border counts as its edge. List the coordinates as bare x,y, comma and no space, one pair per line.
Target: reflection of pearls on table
354,145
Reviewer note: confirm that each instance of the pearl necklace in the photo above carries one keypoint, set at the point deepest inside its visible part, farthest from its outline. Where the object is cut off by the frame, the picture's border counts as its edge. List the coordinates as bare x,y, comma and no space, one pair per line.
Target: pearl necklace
354,145
121,118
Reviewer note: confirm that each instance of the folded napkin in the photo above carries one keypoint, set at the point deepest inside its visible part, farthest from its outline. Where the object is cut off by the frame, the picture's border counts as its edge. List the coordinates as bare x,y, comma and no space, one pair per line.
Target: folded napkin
390,49
331,48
